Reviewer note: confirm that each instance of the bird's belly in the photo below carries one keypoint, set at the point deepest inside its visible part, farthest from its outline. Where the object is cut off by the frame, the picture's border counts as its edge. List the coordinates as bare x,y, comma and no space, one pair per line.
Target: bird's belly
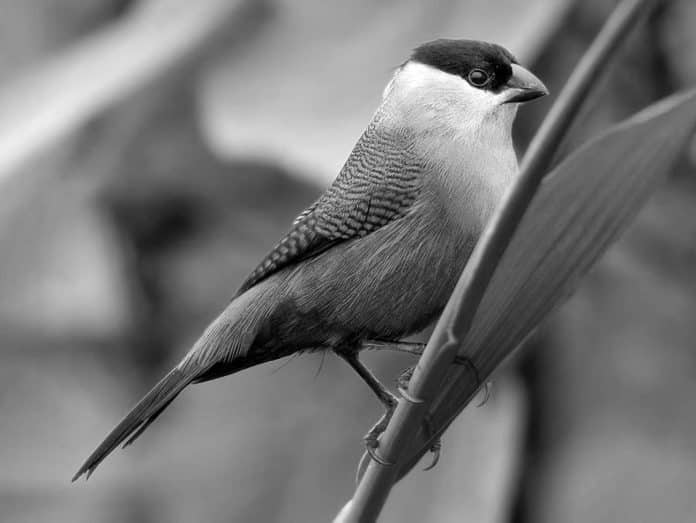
389,284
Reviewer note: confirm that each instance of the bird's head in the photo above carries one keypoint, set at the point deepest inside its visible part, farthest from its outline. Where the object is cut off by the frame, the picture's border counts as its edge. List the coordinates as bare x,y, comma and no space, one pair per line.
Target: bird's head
462,82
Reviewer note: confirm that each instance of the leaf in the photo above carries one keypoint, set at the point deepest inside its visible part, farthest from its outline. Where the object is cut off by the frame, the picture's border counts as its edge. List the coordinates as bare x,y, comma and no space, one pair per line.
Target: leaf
580,209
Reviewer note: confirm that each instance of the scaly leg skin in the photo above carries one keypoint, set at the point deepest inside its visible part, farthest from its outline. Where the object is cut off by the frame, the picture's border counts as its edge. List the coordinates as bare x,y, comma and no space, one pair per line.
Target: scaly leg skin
387,398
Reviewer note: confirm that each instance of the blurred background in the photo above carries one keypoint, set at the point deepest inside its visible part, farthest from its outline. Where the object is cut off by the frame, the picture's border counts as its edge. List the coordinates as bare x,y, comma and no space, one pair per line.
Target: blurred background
154,150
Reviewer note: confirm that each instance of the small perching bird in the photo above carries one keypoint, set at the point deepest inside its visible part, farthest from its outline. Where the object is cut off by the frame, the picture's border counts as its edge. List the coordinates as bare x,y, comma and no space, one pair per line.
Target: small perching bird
377,256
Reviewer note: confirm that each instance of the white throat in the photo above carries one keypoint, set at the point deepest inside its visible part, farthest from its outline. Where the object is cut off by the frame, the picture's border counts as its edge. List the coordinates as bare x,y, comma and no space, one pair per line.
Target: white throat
462,131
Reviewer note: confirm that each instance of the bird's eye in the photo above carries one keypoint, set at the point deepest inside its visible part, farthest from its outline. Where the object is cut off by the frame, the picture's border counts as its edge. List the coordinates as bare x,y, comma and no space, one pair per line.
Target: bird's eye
478,78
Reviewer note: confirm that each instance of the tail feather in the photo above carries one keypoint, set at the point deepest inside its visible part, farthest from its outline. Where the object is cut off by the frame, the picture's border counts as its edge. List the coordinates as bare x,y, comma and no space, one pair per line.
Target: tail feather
138,419
146,424
221,350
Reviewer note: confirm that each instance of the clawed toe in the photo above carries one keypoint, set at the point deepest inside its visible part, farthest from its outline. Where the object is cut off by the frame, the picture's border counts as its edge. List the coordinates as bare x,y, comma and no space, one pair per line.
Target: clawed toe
372,443
436,446
435,450
403,379
372,451
371,439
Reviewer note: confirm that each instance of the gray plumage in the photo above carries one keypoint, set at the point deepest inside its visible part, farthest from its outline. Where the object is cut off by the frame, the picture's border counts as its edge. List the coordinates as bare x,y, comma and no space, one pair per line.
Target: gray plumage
273,315
378,254
378,183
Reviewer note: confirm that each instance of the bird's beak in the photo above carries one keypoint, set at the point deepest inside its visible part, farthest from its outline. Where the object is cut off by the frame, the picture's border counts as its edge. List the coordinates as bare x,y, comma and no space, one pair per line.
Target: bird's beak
523,86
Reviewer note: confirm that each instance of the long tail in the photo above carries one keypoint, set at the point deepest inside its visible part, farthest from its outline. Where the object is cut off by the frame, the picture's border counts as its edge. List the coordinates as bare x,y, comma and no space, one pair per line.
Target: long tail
227,339
138,419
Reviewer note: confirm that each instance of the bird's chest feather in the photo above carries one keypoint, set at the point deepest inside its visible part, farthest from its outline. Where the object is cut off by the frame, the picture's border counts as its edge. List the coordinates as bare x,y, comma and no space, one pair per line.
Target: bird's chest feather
469,174
389,284
396,280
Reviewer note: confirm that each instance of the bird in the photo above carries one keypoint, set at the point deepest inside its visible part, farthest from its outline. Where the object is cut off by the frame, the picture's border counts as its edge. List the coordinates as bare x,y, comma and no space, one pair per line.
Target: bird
375,258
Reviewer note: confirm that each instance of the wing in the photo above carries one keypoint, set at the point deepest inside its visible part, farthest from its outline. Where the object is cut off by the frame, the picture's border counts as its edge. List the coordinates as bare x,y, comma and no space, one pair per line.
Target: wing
378,184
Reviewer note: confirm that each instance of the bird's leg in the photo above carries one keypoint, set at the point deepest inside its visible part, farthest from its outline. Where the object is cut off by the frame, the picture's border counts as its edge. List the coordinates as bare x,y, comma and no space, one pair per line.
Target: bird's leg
387,398
407,347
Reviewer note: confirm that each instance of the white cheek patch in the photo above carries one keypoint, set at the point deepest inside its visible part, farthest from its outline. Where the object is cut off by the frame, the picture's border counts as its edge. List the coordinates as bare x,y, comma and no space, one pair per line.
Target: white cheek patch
427,92
463,132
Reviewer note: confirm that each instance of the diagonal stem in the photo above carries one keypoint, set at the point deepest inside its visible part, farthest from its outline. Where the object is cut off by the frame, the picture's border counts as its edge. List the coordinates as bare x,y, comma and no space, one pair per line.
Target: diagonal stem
442,348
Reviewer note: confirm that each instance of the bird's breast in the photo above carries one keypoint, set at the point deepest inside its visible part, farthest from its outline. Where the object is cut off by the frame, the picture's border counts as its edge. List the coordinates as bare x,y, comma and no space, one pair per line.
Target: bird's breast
396,280
469,178
388,284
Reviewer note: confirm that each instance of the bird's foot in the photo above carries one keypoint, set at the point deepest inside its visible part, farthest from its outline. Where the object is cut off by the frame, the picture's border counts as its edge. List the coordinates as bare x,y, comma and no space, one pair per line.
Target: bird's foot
486,386
436,447
403,379
435,450
466,362
371,439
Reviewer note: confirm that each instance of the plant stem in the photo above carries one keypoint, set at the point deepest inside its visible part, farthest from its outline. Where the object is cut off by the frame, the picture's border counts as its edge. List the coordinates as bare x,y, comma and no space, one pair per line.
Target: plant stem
443,346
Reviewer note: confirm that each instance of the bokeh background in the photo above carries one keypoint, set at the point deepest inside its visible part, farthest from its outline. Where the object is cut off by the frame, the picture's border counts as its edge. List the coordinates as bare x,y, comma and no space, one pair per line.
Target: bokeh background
151,151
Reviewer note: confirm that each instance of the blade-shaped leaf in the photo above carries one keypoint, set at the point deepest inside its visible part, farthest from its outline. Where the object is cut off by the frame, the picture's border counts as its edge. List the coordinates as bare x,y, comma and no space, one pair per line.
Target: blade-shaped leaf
578,211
